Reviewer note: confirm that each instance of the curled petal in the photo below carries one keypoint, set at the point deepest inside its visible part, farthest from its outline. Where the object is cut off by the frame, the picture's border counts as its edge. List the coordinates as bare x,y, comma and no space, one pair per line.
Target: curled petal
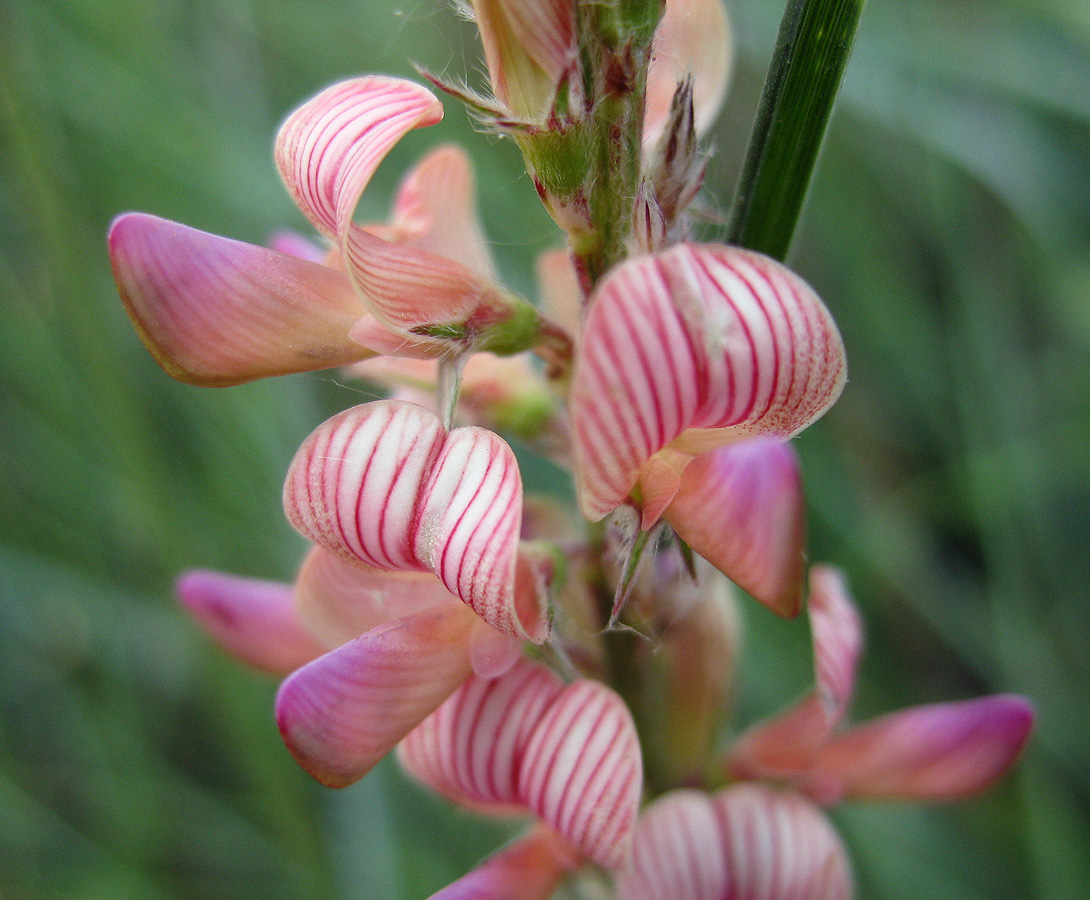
741,507
435,211
785,746
339,600
838,640
689,350
383,483
943,751
340,714
525,742
251,619
746,841
329,148
214,311
693,38
529,869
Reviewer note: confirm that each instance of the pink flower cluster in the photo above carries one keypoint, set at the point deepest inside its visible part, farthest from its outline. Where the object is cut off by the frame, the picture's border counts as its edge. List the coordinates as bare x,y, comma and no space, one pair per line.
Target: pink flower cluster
669,386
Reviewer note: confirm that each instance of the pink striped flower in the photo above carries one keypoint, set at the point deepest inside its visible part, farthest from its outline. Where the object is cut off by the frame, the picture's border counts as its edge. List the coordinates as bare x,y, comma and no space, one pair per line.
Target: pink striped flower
765,837
747,841
683,355
214,311
942,751
385,484
428,275
371,653
526,743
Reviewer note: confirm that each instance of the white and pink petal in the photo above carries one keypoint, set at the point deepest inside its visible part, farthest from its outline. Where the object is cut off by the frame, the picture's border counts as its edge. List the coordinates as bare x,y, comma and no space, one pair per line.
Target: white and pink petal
748,841
385,484
525,742
688,350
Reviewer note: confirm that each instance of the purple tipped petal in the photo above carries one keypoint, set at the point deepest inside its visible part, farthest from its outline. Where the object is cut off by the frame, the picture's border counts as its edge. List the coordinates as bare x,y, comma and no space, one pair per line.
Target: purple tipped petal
944,751
689,350
526,742
748,842
213,311
342,713
741,508
529,869
251,619
383,483
329,148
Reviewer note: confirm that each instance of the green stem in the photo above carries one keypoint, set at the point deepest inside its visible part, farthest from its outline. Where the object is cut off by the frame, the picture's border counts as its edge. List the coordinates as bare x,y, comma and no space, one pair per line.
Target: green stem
808,64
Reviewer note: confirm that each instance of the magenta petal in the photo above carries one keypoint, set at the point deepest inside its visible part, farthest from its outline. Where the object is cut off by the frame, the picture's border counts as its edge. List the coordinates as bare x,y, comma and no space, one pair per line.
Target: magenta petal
529,869
747,841
688,350
329,148
213,311
741,507
340,714
943,751
251,619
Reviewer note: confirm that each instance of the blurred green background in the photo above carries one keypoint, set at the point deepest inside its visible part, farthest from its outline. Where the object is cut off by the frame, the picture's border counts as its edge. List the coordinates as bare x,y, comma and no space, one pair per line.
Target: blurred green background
947,229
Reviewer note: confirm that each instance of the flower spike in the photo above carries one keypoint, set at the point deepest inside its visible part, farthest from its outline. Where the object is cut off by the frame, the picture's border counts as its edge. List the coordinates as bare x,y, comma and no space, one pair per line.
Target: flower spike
385,484
686,351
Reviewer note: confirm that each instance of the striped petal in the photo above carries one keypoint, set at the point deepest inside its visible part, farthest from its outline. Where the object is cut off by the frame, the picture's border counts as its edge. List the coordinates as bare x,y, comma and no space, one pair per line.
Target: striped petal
747,842
693,38
340,714
328,149
526,742
943,751
339,600
688,350
253,620
741,507
529,869
385,484
214,311
785,746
